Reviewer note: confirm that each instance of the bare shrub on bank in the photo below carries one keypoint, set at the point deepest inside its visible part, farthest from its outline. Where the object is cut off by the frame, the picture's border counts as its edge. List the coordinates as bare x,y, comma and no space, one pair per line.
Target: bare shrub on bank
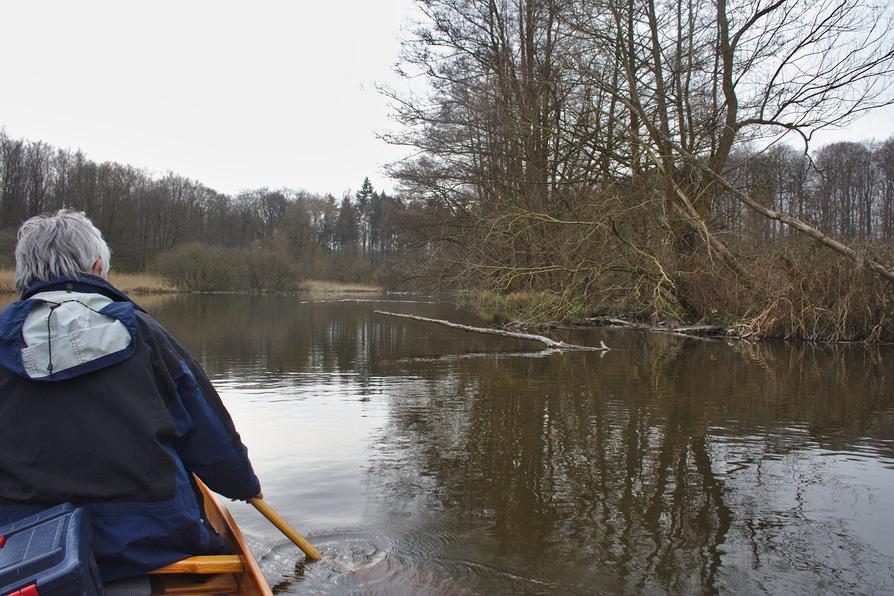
202,268
197,267
804,294
266,270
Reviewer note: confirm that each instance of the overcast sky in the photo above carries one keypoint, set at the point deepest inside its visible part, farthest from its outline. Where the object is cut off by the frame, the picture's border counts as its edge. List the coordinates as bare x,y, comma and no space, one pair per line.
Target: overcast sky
235,94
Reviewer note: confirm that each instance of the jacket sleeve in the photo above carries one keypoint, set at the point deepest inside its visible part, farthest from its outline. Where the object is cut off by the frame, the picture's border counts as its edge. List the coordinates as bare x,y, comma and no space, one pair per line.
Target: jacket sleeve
206,439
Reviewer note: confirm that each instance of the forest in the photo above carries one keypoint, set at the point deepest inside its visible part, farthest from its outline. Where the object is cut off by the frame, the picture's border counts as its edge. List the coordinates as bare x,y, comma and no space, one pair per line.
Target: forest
202,238
654,160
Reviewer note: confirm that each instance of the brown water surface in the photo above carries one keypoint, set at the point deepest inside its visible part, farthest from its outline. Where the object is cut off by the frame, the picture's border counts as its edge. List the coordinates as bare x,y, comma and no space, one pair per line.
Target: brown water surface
437,461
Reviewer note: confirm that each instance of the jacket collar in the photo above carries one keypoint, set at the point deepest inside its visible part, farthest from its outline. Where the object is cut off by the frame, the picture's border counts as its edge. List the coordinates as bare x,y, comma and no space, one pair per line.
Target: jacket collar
83,282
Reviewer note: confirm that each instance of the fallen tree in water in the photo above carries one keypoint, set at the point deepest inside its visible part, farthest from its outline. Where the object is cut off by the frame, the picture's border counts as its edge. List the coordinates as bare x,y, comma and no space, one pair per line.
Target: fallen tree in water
715,331
549,343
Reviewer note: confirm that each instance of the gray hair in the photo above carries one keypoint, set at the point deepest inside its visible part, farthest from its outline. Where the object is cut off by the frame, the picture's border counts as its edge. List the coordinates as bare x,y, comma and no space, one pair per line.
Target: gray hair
61,244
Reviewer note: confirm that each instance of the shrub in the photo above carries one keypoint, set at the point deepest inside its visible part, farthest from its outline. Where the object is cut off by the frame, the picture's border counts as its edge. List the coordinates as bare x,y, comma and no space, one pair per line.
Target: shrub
200,268
267,270
806,292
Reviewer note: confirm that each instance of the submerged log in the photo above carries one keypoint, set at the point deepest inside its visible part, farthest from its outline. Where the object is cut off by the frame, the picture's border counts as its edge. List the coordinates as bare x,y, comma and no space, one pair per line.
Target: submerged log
549,343
714,331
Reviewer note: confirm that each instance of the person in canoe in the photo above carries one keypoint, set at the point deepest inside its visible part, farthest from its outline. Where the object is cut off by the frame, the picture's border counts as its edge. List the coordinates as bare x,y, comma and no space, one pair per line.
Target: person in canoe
100,406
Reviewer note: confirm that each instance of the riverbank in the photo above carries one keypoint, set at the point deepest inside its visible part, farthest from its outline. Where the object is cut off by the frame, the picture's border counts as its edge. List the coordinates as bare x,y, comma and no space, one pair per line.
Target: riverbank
130,283
542,311
149,283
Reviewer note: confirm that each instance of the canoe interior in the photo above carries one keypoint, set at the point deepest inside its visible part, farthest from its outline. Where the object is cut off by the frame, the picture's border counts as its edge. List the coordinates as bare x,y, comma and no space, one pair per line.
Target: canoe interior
238,573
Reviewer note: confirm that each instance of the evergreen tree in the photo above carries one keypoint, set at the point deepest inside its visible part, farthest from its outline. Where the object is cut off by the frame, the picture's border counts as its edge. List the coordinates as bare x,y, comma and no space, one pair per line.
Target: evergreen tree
364,198
346,230
376,203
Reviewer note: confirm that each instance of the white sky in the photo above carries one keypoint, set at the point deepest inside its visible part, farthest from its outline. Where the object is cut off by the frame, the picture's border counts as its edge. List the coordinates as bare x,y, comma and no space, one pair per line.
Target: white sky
234,94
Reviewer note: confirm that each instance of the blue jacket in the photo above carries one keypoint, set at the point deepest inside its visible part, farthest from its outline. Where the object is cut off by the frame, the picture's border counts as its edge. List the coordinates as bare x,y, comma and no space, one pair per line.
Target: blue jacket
100,406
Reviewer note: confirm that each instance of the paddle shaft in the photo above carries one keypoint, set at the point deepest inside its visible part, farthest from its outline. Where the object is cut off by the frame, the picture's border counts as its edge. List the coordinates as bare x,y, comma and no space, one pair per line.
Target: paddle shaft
284,527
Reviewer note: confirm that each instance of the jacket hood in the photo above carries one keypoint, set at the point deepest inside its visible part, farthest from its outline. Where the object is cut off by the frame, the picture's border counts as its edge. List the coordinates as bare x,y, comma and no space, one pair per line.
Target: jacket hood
67,328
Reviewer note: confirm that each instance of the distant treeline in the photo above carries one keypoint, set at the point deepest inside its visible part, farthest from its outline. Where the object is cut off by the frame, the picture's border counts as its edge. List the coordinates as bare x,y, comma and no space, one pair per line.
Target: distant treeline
844,189
157,221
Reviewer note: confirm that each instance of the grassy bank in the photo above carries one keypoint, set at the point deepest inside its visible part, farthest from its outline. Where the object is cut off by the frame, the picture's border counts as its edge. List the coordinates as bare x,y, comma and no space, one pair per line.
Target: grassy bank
525,307
149,283
7,281
849,311
544,308
140,283
131,283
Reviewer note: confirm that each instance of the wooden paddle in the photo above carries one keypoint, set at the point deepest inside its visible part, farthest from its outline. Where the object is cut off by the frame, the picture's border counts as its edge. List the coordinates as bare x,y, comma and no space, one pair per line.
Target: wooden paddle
284,527
312,553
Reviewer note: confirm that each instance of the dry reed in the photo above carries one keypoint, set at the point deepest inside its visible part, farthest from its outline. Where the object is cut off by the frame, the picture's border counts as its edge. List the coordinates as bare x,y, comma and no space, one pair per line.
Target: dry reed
131,283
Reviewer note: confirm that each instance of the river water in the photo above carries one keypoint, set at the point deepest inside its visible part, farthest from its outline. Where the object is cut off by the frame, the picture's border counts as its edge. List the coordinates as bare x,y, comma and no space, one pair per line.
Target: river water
427,460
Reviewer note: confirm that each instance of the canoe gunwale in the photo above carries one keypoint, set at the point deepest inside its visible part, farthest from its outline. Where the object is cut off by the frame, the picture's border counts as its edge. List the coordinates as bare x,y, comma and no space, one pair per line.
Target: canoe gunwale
251,581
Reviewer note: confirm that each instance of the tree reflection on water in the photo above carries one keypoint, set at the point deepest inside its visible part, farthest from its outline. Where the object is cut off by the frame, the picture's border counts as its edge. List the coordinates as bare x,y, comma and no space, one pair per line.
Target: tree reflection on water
677,465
